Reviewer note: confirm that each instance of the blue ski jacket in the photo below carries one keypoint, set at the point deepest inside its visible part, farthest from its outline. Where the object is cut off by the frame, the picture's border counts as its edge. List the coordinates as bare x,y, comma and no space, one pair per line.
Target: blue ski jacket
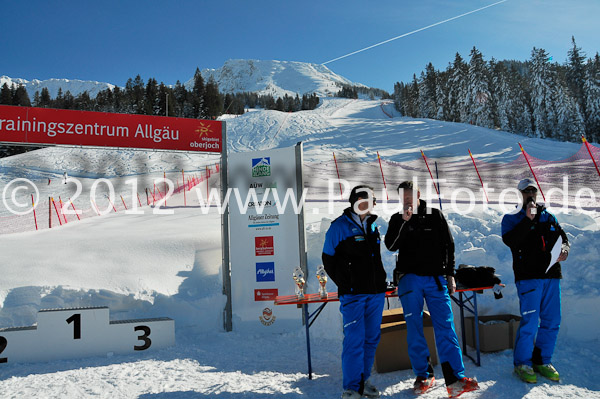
352,256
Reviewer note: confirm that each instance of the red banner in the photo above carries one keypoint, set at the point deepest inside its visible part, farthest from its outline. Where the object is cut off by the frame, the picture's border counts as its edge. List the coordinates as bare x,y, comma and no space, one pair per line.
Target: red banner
83,128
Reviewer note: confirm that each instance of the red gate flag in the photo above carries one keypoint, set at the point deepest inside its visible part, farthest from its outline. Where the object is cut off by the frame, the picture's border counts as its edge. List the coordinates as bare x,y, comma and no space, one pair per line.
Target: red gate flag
102,129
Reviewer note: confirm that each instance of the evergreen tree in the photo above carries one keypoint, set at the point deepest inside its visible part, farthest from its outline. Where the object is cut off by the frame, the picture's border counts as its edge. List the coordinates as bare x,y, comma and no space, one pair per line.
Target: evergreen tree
521,119
576,75
478,92
569,125
457,90
21,97
504,98
83,102
413,98
441,95
297,104
6,95
36,98
135,95
398,97
198,97
212,99
592,99
541,93
427,93
45,100
118,99
68,100
180,95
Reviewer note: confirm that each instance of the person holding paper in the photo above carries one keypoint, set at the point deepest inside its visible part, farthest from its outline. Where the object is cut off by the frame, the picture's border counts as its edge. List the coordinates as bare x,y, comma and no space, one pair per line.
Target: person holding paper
532,234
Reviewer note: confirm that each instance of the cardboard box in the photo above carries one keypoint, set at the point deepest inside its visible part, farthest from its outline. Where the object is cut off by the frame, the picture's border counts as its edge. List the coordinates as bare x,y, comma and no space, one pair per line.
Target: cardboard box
496,332
392,351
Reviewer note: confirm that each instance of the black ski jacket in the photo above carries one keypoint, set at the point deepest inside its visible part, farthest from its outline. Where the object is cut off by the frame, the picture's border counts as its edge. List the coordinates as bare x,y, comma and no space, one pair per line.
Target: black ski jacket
531,243
425,245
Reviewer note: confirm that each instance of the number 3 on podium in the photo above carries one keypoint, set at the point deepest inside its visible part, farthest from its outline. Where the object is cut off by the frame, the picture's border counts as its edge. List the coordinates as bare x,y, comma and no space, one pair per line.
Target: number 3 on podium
143,337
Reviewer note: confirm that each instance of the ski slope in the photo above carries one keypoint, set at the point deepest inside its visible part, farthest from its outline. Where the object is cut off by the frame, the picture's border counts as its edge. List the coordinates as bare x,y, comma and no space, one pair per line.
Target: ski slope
151,265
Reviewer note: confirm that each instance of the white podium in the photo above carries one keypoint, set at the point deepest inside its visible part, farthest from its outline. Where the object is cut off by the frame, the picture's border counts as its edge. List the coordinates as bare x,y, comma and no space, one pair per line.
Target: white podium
82,332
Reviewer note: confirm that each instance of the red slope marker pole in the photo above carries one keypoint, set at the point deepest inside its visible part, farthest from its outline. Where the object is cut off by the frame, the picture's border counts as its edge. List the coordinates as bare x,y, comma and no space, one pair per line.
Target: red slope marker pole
587,146
477,170
532,172
387,197
61,209
338,175
54,203
139,201
111,203
437,176
96,207
34,217
73,206
207,178
430,174
183,183
123,202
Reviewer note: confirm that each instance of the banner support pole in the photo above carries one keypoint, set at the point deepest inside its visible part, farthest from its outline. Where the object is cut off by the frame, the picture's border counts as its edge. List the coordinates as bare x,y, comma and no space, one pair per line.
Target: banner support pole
226,266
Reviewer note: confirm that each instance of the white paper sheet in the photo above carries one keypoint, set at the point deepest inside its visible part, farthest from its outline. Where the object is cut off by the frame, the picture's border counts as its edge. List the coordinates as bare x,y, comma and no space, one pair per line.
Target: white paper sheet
555,253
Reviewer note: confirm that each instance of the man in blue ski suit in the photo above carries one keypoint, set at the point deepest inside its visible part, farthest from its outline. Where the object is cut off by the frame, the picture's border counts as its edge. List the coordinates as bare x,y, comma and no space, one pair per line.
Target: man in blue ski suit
425,271
531,234
352,259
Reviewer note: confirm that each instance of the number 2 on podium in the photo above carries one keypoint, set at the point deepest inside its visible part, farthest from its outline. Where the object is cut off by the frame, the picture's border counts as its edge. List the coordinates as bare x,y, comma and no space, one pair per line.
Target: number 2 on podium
3,343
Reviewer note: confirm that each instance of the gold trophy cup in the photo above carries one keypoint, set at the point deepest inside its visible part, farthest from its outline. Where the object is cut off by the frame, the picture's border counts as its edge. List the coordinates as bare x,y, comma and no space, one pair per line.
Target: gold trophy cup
322,277
298,276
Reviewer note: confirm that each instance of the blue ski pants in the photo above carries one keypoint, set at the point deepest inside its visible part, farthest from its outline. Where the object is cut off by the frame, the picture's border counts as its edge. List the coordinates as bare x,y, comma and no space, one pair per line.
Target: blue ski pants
412,290
361,316
540,314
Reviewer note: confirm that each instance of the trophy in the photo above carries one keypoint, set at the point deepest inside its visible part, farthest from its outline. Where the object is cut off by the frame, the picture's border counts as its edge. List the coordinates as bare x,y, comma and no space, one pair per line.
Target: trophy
322,277
299,280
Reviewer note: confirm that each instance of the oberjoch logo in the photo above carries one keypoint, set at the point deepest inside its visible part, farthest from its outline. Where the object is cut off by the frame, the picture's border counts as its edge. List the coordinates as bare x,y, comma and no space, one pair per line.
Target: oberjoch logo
263,246
267,317
265,271
261,167
203,130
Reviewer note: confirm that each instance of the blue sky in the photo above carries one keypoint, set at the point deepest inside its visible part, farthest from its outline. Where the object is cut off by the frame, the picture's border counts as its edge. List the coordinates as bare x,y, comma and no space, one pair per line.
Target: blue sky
110,41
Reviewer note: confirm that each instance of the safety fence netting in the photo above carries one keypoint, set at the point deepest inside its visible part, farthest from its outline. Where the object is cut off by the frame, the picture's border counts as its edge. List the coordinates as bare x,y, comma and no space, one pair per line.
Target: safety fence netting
571,181
58,203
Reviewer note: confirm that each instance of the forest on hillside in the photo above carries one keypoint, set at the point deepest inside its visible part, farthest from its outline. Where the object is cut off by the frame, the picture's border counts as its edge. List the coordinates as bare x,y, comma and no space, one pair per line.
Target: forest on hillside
536,98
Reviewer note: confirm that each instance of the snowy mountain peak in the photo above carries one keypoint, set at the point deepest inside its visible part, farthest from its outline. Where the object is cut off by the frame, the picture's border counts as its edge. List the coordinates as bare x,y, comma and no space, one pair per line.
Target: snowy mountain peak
74,86
276,78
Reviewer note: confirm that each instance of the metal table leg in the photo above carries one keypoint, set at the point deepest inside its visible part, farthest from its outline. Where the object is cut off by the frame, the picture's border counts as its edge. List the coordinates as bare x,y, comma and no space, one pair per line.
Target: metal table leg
309,319
307,324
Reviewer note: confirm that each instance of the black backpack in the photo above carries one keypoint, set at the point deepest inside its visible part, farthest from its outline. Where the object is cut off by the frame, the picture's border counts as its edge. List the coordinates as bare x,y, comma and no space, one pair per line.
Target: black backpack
476,277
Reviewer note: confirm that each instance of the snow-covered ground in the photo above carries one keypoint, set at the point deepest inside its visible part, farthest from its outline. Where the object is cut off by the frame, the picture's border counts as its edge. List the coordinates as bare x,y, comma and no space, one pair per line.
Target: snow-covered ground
148,265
